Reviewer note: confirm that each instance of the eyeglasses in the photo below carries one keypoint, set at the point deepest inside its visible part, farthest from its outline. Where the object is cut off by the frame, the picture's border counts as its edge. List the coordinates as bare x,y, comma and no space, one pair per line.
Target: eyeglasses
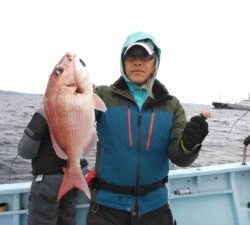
138,52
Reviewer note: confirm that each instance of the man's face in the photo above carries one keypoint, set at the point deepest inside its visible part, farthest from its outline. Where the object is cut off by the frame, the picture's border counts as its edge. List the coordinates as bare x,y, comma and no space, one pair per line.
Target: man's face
139,65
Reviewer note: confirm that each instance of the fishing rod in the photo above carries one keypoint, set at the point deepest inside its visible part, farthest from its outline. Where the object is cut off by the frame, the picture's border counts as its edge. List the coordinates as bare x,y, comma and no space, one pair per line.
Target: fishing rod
246,140
235,122
12,162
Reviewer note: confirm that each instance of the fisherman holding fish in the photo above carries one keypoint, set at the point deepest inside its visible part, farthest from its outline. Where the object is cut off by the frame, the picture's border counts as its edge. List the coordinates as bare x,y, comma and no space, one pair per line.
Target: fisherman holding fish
137,127
143,128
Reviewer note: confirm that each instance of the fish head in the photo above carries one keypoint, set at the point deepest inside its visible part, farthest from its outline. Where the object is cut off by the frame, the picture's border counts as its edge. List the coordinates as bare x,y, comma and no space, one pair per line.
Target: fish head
70,72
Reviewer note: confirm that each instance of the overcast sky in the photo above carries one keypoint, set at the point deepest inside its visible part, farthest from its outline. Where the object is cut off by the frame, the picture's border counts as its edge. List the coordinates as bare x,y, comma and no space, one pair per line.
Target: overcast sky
205,43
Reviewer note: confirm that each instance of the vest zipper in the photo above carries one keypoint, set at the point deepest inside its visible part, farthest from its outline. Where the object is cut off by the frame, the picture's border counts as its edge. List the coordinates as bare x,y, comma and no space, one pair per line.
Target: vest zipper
136,209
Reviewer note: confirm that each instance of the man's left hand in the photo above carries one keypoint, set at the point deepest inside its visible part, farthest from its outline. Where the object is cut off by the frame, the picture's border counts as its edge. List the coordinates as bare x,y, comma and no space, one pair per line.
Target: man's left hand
195,132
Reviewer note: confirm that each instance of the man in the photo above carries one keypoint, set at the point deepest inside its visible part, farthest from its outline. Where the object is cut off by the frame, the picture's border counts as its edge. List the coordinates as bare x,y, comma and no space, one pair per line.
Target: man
48,174
144,126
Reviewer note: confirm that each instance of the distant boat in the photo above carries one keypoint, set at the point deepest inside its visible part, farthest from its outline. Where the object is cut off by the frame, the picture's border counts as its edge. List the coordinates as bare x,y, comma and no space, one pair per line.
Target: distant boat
242,105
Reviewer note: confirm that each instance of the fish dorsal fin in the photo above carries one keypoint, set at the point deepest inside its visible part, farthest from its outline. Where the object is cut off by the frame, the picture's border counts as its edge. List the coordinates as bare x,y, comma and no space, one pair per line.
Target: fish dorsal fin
98,103
59,152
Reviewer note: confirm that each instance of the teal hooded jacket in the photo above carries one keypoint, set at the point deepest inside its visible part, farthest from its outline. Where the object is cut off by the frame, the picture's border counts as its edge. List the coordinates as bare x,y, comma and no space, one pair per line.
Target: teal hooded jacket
136,143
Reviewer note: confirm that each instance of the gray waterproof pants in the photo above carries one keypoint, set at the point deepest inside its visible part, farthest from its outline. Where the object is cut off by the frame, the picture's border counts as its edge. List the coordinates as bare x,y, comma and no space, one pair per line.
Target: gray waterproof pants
43,208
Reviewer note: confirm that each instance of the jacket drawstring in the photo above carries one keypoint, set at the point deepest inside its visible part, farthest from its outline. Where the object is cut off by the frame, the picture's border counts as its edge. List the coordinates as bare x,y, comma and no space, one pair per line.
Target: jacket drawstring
150,131
129,128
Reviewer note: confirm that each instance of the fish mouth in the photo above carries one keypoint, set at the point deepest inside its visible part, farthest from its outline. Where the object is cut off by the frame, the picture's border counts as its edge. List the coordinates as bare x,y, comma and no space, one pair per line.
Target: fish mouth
70,85
77,90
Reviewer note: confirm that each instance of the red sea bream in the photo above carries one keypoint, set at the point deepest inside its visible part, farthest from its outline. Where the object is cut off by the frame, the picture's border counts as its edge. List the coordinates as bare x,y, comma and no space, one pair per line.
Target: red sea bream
69,105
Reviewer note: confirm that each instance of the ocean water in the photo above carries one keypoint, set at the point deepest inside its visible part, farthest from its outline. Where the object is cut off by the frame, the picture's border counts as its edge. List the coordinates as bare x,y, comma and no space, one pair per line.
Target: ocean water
224,144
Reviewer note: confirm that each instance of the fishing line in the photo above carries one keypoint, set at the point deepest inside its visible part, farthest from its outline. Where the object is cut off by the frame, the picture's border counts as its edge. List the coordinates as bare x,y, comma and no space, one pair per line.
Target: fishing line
235,122
12,162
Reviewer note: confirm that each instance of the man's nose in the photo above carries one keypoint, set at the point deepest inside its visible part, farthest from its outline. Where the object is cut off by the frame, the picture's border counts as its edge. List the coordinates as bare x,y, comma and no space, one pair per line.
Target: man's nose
137,61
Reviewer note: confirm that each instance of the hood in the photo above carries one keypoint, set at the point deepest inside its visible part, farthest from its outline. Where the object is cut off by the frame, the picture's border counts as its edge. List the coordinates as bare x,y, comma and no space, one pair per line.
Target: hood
137,37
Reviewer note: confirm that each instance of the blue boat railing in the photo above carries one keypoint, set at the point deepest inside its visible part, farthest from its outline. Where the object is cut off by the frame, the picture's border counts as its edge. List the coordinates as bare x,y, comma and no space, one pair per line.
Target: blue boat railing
218,195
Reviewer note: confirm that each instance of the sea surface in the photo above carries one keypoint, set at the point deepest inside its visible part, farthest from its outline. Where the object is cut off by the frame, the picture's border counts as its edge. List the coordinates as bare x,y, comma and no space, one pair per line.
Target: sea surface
224,144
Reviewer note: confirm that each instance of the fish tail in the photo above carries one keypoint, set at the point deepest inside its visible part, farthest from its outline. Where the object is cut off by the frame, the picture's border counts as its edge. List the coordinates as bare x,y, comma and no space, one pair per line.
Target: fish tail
71,179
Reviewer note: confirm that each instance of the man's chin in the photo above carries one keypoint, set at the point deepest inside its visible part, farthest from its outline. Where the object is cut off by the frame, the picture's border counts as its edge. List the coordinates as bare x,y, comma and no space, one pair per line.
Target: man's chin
139,82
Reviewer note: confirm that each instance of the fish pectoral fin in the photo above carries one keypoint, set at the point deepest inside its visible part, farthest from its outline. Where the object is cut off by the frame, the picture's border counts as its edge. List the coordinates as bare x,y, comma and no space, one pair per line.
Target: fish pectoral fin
59,152
92,143
98,103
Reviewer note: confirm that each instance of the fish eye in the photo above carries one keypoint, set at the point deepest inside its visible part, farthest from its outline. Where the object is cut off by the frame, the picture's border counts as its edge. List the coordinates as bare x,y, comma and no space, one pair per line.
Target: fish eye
82,62
59,70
